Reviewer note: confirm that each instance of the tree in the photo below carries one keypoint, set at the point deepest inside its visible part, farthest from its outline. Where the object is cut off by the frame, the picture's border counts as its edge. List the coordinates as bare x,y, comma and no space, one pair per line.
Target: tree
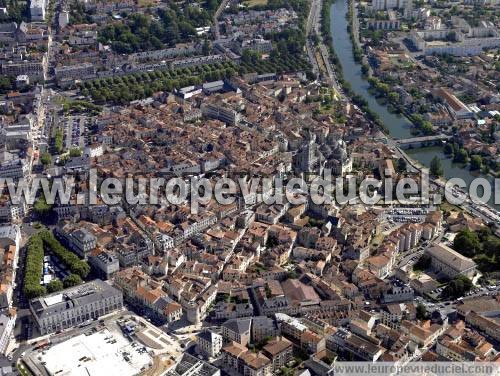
458,287
206,48
55,285
461,156
401,165
426,127
72,280
491,246
75,152
58,141
394,97
467,243
421,312
436,167
448,149
41,208
46,159
423,263
476,162
5,84
81,268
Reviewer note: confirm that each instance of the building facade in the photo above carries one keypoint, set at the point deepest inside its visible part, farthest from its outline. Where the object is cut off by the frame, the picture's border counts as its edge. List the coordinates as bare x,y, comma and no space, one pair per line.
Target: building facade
74,306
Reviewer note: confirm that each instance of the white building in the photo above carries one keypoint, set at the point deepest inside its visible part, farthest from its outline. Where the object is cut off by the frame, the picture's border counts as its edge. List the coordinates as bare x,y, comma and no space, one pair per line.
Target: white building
455,42
63,19
75,305
37,10
209,343
7,323
456,107
390,4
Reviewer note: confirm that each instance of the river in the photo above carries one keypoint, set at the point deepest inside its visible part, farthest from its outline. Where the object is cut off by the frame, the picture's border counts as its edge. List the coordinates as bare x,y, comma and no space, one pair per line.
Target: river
397,126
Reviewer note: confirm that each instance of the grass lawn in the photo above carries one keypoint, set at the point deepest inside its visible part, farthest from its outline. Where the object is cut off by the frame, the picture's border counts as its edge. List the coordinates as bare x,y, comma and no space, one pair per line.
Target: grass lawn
447,207
377,240
22,369
253,3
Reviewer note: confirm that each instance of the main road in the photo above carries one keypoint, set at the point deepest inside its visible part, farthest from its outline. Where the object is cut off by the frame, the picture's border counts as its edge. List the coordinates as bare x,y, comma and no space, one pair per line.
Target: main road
319,56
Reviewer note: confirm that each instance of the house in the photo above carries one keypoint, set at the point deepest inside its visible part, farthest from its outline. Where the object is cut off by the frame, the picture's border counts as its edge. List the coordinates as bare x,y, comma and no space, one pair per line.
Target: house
147,293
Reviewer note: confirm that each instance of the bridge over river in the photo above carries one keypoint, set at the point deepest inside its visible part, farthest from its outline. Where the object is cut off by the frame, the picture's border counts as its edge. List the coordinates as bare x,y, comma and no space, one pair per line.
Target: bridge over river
421,141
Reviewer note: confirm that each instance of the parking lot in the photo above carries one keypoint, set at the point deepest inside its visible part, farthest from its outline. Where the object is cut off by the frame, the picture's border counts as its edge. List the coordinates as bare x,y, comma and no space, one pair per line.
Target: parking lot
75,130
52,269
121,343
105,350
404,215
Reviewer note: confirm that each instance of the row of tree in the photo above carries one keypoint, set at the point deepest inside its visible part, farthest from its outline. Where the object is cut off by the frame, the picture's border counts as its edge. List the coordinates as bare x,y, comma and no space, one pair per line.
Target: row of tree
58,141
68,258
33,270
124,89
147,77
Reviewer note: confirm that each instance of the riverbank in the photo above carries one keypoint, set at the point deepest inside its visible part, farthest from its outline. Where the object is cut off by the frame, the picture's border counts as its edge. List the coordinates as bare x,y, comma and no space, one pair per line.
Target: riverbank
351,79
358,89
356,99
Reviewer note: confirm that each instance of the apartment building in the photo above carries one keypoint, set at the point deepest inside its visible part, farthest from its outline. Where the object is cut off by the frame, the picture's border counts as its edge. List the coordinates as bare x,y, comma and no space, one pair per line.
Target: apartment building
222,113
290,326
484,324
15,168
240,360
105,263
263,327
237,330
75,71
209,343
280,351
35,69
189,365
